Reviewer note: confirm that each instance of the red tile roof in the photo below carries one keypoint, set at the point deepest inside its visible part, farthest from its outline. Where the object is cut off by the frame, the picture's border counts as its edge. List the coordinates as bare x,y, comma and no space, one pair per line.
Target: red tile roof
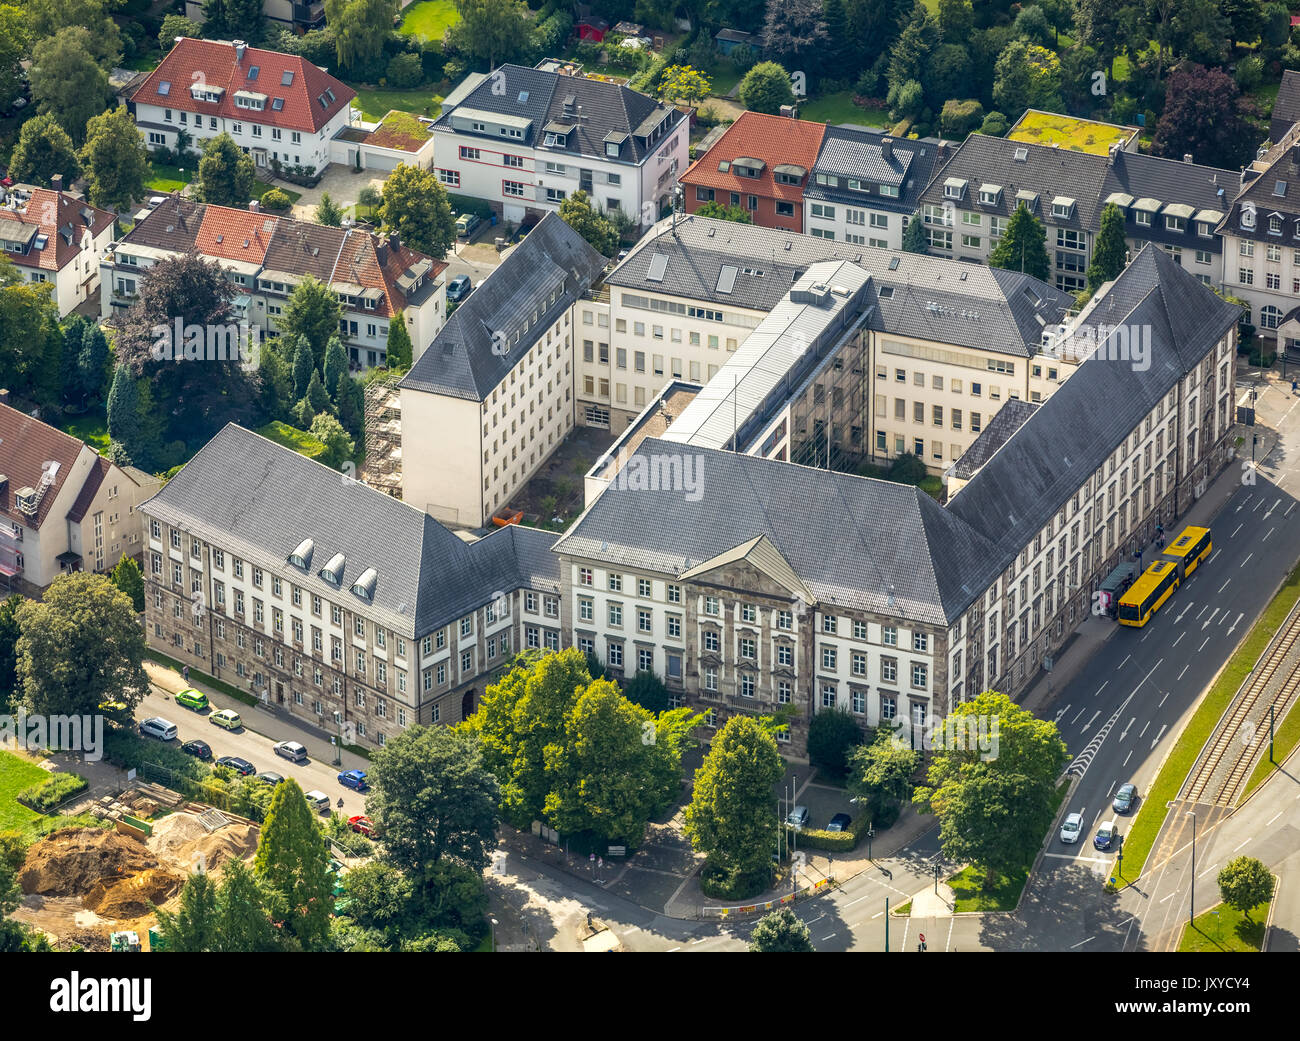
26,445
775,140
94,481
235,234
214,63
61,219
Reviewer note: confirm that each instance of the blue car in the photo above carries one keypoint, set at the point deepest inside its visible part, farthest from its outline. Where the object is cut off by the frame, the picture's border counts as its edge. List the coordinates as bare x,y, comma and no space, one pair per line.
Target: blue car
355,779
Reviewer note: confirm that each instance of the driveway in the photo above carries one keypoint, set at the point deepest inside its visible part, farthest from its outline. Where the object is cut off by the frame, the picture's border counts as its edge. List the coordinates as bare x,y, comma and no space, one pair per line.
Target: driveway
343,183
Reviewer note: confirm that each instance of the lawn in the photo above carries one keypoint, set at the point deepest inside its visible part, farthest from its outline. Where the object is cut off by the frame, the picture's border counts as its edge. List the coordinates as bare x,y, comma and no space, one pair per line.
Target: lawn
15,775
968,889
429,19
839,108
168,178
723,77
1286,736
1223,929
1080,135
91,428
1166,786
261,187
375,103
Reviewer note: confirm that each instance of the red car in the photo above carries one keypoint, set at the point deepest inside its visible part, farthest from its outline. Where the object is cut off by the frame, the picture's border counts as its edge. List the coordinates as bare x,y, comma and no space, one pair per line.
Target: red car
362,826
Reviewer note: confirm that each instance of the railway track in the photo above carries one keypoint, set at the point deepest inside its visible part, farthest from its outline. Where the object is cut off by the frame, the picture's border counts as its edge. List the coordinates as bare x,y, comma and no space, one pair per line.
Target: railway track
1228,744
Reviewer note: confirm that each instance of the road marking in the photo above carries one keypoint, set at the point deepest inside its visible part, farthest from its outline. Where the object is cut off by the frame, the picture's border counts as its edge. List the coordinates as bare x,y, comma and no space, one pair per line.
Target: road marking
1144,636
825,938
1240,844
1101,688
1239,527
1144,728
1224,586
1082,942
671,949
1180,676
1061,713
1233,628
1244,562
1127,728
1190,605
1202,646
1205,624
1169,897
1078,717
1124,662
1175,643
1275,817
1156,740
1207,870
1092,720
1128,757
858,900
1258,505
1071,856
876,915
1162,700
1292,506
1267,534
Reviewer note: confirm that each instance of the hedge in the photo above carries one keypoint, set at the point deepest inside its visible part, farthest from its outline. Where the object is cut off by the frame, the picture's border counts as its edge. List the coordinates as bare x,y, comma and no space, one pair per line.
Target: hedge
46,795
128,750
833,841
465,204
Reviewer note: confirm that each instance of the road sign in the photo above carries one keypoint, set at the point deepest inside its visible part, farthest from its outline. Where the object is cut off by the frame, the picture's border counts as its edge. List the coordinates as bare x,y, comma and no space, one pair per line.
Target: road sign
921,937
617,851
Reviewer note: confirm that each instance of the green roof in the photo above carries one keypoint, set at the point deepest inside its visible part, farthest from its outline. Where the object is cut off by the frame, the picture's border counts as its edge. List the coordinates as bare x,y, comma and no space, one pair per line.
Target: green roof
1079,135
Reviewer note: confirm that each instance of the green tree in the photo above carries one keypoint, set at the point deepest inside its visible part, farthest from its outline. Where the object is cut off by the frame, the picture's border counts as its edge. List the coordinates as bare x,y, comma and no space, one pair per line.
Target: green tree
909,58
174,25
243,924
380,896
277,383
647,690
576,211
339,448
360,28
49,18
1023,246
993,810
914,239
350,403
124,411
43,150
832,735
1031,26
313,313
599,774
682,83
9,633
116,163
14,43
490,32
230,19
731,816
192,928
416,207
127,577
304,366
1245,883
13,854
1110,251
720,211
80,645
1027,76
435,799
519,716
335,365
765,88
292,865
329,213
880,775
369,197
226,173
399,345
66,82
956,21
780,932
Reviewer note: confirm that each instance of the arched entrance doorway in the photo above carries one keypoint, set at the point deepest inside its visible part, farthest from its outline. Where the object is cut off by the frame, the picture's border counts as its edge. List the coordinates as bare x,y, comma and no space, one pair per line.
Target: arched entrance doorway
467,705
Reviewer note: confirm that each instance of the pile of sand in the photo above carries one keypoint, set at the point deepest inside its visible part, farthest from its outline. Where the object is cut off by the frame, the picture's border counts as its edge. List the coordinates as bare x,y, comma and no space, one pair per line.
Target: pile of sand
179,840
133,896
72,862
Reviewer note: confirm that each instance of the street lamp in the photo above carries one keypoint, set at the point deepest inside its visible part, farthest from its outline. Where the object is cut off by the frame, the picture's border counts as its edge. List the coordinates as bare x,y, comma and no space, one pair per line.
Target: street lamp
936,878
1191,910
495,923
338,741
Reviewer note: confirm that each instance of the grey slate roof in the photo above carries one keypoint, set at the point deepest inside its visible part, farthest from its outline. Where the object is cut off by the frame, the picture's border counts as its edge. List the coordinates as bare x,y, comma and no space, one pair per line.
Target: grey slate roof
1278,170
1286,107
850,539
461,362
853,152
1054,451
1170,181
974,306
1005,422
261,500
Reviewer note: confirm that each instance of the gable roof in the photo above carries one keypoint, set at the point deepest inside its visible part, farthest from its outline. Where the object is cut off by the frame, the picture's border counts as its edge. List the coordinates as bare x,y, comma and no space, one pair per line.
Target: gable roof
1206,189
1286,107
517,303
1261,182
26,447
309,100
264,507
99,471
764,556
173,225
61,219
852,152
772,140
235,234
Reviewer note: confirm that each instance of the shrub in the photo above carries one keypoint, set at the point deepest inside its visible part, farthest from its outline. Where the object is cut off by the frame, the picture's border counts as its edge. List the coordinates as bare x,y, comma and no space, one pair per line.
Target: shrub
128,750
405,71
995,124
46,795
959,118
1250,72
831,736
275,200
728,885
839,841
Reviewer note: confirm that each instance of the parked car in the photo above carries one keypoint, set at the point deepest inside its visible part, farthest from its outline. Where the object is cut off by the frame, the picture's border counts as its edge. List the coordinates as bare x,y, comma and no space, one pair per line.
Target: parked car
194,699
466,225
318,801
241,766
1125,798
362,826
159,728
840,822
198,749
226,718
112,706
459,288
291,750
270,778
798,817
355,779
1070,828
1106,835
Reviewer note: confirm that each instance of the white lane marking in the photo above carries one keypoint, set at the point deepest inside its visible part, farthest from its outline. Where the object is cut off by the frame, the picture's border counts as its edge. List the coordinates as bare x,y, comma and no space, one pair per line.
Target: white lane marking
1233,627
1061,713
1205,624
1201,612
1101,688
1175,643
858,900
1071,856
1240,844
1258,505
1127,728
825,938
1081,942
1244,562
1169,897
1078,717
1224,586
1180,676
1275,817
1238,528
1124,662
1268,533
671,949
1144,729
1092,720
1128,757
1207,870
1202,646
1156,740
876,915
1190,605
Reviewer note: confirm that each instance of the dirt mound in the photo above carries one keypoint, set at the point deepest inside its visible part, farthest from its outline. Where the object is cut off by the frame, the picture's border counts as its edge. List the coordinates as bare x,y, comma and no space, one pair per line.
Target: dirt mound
133,896
179,840
72,862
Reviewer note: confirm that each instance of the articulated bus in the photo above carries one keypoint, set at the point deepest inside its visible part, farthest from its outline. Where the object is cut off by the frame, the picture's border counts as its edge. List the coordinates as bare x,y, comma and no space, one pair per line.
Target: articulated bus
1144,597
1187,551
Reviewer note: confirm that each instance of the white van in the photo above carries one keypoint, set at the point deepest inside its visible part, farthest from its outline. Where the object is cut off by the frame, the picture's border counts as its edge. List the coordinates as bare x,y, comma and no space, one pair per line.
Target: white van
318,801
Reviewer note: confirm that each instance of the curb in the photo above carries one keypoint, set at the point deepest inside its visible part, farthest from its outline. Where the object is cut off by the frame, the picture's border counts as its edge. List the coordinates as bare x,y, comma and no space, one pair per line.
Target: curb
1272,907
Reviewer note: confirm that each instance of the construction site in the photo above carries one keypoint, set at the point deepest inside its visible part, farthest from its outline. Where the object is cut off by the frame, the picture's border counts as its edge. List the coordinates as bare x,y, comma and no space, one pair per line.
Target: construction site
382,468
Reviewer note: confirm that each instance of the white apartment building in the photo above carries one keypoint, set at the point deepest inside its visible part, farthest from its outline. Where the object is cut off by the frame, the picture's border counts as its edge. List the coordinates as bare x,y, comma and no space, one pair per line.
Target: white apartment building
525,139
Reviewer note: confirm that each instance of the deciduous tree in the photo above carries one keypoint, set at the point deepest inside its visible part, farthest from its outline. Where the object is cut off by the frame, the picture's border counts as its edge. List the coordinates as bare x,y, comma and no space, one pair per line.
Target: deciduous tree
577,212
1205,116
416,207
490,31
226,173
312,313
116,163
66,81
765,88
43,150
1245,883
127,577
780,932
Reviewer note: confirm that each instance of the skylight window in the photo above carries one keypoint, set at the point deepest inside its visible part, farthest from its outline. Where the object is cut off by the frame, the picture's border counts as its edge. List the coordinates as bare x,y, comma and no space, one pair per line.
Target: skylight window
286,77
523,96
252,72
165,88
277,104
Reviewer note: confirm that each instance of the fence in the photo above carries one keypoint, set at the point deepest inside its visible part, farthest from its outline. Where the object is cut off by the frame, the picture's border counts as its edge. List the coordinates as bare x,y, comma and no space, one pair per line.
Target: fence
748,909
192,789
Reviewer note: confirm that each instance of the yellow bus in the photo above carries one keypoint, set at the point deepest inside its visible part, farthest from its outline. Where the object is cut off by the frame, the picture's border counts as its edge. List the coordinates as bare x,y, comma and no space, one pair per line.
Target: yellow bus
1187,551
1144,597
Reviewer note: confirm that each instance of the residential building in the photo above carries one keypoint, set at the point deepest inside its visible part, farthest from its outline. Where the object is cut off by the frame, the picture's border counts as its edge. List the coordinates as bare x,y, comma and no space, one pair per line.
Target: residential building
947,342
524,140
492,397
865,185
398,139
1054,129
1261,236
63,507
762,164
1174,204
279,108
752,584
56,239
378,280
362,613
298,15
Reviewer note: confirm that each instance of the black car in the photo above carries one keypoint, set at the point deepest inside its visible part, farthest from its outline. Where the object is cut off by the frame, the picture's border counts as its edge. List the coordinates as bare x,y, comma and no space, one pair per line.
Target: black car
198,749
840,822
241,766
1124,798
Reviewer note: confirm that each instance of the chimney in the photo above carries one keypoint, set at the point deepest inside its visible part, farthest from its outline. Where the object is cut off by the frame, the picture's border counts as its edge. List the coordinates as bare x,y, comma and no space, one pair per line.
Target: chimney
941,153
381,250
239,51
4,396
887,148
1111,154
1187,157
4,488
253,205
394,242
787,111
56,182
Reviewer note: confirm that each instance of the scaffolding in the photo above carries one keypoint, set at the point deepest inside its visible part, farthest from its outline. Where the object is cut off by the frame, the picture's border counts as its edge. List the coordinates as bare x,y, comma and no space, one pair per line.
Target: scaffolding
383,465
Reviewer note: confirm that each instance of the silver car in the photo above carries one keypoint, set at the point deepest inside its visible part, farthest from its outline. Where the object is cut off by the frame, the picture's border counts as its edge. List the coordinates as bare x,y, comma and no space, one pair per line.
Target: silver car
1071,828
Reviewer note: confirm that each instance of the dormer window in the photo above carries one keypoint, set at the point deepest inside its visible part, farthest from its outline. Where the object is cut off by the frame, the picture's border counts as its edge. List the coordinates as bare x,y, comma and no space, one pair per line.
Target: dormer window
301,557
611,149
333,571
1142,218
556,140
364,586
1275,225
1062,207
1203,229
889,191
990,194
954,188
1175,223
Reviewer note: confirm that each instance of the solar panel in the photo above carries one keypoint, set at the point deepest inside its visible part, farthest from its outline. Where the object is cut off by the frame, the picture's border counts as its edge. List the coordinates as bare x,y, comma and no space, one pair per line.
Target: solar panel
658,266
727,279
